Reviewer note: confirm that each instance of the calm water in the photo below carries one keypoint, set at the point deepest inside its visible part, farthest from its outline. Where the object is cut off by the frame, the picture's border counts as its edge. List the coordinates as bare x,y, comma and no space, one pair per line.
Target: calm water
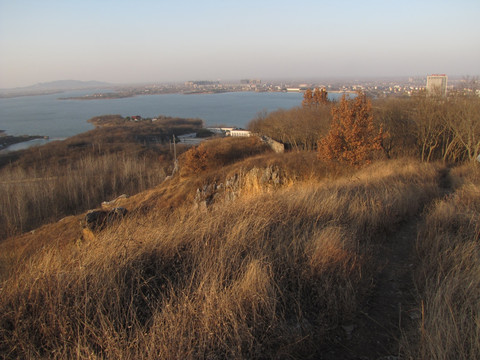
46,115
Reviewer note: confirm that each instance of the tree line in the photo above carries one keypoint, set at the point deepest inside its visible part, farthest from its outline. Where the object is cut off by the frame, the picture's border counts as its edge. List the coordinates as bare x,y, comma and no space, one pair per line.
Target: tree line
359,129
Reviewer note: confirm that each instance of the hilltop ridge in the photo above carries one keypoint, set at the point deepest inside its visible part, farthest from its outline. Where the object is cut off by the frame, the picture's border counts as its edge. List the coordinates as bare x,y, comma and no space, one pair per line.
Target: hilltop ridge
211,252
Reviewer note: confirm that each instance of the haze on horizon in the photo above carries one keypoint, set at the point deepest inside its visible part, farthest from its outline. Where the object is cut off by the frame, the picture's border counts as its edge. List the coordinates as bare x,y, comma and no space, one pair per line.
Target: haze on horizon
121,41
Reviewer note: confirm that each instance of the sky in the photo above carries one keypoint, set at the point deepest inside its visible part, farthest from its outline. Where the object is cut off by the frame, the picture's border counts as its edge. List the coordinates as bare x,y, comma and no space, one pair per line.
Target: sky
140,41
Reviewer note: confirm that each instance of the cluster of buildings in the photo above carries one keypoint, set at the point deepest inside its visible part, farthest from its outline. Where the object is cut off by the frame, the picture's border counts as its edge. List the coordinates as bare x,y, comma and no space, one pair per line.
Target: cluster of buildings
435,83
381,87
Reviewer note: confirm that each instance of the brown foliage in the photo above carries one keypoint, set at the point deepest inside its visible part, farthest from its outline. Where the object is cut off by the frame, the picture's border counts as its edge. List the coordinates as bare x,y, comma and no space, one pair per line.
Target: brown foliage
195,160
307,97
394,115
216,153
353,137
299,128
315,98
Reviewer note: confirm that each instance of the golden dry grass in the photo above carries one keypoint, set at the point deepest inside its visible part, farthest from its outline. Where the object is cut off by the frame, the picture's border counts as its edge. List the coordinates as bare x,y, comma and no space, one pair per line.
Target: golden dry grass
449,275
32,197
264,276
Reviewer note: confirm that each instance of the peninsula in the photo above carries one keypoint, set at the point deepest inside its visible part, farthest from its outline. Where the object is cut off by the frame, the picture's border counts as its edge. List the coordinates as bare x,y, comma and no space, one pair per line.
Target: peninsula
7,140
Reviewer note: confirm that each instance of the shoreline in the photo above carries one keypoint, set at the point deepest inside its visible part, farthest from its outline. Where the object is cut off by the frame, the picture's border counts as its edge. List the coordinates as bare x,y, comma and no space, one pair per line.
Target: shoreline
7,141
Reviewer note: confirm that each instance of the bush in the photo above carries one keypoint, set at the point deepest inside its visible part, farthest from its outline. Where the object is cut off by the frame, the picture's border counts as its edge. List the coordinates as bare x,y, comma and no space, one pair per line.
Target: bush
352,137
216,153
299,128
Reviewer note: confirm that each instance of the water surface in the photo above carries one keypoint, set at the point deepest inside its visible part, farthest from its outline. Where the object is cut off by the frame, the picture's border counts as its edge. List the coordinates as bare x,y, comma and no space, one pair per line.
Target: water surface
47,116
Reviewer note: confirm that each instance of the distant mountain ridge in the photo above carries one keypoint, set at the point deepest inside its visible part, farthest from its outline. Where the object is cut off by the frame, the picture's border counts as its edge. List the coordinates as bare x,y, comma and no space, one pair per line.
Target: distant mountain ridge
62,85
52,87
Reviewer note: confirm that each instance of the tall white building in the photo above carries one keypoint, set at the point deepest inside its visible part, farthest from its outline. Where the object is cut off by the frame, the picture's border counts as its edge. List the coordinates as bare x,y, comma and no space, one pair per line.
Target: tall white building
437,84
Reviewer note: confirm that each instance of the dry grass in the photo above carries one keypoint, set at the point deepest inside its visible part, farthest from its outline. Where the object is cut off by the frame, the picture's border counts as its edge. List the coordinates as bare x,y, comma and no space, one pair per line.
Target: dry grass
43,184
449,275
265,276
34,196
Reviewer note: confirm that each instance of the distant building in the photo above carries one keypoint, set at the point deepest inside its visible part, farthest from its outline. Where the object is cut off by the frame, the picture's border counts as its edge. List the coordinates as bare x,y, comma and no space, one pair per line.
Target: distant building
230,131
239,133
437,84
221,130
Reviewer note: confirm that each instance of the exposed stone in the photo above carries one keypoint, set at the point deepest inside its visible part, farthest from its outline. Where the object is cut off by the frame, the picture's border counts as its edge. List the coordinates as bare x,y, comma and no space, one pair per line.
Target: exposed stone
107,204
274,145
229,190
99,219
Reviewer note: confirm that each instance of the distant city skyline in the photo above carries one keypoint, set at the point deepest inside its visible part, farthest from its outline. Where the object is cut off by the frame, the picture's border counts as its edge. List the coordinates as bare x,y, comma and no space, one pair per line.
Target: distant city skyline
164,41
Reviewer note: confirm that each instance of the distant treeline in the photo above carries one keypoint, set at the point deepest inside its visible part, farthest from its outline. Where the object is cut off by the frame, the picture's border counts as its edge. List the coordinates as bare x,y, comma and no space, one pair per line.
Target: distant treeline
427,127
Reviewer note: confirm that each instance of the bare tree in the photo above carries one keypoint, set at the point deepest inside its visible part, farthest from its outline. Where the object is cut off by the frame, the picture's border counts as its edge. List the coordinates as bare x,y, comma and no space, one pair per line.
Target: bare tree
429,127
462,116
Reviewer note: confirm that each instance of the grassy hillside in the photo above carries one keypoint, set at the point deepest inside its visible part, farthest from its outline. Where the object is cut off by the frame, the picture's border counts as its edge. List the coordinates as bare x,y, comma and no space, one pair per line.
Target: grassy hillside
448,276
62,178
256,255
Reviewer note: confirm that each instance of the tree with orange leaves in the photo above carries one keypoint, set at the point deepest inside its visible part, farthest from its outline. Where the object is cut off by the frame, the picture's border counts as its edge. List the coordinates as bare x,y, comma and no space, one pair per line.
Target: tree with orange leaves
307,98
320,96
315,97
353,137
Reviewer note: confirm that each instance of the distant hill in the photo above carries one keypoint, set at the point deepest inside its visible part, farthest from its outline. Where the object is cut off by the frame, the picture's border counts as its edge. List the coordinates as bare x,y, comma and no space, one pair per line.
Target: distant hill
67,85
52,87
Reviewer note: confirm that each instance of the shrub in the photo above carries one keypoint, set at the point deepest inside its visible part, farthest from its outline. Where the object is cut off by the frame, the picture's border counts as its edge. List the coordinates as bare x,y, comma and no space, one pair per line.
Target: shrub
217,153
299,128
353,137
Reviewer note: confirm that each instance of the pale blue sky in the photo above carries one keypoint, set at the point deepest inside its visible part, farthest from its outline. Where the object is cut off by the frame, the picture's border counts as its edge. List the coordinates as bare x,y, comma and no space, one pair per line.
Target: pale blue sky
154,41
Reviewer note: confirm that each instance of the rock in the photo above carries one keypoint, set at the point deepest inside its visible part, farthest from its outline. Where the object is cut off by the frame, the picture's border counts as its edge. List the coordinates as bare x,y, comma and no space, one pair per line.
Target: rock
99,219
107,204
274,145
255,178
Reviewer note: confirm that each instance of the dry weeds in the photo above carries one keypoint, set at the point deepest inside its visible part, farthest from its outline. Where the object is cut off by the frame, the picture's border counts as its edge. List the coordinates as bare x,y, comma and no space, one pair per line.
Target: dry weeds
449,275
265,276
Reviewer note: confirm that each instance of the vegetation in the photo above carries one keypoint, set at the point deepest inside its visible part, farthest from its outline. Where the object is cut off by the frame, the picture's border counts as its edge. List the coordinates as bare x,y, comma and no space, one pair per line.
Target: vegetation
297,264
217,153
290,250
448,276
299,128
426,127
315,98
46,183
352,137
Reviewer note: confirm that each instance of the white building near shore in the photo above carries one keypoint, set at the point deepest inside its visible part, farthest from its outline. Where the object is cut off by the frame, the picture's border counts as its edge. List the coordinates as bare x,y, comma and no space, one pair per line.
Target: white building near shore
230,131
240,133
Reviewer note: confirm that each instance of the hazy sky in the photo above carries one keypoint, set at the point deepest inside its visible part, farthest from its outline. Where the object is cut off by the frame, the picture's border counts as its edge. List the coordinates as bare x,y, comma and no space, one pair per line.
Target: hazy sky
153,41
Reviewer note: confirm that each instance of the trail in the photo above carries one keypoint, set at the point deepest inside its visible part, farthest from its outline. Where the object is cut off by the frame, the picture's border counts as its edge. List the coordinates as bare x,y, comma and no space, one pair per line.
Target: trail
391,309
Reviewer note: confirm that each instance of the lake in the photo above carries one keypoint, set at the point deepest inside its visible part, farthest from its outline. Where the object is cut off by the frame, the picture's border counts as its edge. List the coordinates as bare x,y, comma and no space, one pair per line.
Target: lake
47,116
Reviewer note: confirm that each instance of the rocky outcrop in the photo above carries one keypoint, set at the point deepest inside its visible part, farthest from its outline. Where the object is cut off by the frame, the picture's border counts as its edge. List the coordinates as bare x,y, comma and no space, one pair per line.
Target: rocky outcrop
274,145
96,220
242,182
107,205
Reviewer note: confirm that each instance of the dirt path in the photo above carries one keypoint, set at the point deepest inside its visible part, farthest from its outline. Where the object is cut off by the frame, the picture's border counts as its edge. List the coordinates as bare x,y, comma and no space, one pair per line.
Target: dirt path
376,331
391,309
